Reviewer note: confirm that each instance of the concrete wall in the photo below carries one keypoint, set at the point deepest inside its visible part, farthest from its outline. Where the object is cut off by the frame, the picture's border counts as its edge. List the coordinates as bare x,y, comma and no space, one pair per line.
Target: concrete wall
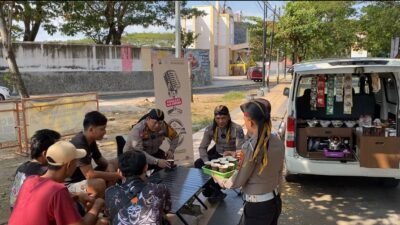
223,45
34,57
63,68
90,81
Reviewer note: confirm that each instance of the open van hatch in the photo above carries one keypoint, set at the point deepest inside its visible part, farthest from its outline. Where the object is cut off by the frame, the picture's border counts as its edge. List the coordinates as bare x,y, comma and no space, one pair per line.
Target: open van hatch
349,117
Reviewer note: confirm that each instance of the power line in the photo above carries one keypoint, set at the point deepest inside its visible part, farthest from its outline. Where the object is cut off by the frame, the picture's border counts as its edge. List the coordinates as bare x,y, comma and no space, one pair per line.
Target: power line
270,8
262,9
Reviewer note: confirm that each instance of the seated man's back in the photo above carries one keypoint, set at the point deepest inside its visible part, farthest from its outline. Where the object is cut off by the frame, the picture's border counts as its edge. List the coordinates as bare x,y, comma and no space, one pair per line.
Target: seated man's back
148,208
135,201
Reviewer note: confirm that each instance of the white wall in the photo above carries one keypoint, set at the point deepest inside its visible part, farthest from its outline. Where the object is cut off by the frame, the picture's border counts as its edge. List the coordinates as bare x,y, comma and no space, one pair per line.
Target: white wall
223,47
46,57
203,27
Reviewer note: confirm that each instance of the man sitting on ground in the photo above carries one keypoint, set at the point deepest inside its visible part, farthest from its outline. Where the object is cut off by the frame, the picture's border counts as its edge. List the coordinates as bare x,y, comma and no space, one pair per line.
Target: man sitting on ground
45,200
228,137
40,142
125,202
85,177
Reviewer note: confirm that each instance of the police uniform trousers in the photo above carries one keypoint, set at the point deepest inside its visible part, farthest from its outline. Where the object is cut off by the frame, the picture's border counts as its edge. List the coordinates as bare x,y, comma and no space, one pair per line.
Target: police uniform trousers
262,213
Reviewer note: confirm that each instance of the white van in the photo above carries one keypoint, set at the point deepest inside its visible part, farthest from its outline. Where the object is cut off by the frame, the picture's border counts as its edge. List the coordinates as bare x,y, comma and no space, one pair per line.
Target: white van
344,119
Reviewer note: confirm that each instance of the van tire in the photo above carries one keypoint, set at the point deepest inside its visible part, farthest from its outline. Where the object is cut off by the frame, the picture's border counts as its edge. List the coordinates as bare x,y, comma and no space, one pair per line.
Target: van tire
390,182
2,98
292,178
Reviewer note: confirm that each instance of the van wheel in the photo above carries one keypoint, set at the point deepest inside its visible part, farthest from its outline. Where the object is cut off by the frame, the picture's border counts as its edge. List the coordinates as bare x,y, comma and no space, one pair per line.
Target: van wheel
292,178
390,182
2,98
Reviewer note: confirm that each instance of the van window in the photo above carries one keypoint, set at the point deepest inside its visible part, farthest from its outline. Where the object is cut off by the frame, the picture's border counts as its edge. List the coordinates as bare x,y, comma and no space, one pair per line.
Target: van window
305,83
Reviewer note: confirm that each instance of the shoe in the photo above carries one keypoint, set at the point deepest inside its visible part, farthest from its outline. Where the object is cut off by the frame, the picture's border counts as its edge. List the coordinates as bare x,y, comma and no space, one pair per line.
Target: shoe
192,209
217,197
207,192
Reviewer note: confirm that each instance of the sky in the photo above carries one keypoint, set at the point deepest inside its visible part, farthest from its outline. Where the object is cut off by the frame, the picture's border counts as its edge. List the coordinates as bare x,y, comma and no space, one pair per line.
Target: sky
248,8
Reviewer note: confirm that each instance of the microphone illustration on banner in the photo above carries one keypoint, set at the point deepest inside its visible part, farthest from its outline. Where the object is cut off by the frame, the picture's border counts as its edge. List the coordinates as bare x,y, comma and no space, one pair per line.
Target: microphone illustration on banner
173,85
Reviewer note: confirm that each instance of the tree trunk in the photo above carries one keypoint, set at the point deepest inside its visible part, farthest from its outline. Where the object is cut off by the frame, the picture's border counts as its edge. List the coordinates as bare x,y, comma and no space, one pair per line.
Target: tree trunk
34,31
117,35
9,55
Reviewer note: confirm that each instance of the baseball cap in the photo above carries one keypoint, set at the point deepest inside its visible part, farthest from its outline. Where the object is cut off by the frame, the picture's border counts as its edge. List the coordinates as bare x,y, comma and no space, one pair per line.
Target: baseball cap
63,152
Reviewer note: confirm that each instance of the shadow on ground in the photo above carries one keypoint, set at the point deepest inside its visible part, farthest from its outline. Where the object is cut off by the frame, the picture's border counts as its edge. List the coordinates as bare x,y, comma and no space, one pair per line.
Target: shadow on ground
339,200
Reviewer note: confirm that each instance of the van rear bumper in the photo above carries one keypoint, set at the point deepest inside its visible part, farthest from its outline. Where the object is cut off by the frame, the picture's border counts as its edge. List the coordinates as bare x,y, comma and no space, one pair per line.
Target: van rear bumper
296,164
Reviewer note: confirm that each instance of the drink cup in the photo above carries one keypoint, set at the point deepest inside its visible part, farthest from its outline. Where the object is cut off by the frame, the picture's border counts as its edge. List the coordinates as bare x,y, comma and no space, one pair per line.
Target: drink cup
171,163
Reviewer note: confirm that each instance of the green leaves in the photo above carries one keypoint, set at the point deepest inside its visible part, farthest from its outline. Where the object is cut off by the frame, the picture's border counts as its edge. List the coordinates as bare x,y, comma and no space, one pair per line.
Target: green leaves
317,29
105,21
380,22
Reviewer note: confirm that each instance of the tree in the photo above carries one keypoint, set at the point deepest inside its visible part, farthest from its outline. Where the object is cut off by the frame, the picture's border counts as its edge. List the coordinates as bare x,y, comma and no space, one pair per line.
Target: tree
188,38
255,27
34,14
6,10
317,29
105,21
380,21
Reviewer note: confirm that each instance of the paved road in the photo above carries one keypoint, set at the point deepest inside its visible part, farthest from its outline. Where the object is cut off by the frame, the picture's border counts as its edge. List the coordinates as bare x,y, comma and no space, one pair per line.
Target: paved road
324,200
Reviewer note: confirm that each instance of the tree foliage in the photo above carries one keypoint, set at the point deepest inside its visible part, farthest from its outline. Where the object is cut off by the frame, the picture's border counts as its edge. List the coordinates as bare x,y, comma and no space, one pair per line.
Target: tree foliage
34,14
255,26
380,22
105,21
188,38
317,29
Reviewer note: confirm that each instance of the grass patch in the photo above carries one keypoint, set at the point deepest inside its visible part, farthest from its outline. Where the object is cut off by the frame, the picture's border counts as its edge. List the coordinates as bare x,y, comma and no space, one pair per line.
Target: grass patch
233,95
200,123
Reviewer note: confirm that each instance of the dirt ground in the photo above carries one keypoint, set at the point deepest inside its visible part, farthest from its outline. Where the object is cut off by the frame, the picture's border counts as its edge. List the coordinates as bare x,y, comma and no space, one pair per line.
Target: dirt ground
122,114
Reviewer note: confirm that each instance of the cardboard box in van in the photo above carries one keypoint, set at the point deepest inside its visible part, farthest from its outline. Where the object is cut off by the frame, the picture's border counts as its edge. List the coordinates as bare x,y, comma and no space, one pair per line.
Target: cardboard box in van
379,152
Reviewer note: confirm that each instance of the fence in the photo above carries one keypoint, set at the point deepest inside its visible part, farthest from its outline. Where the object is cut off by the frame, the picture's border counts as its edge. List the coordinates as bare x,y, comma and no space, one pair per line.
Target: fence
20,119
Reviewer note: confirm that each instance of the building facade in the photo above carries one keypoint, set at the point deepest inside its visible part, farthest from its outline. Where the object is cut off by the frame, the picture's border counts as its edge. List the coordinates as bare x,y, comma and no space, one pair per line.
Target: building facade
221,32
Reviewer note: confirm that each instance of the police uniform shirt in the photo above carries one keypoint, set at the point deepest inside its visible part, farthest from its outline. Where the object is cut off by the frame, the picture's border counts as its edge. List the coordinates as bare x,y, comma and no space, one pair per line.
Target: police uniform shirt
248,176
141,138
223,143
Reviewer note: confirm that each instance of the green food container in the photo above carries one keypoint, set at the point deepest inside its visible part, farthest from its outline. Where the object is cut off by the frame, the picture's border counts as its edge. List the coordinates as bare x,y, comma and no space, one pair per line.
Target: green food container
216,173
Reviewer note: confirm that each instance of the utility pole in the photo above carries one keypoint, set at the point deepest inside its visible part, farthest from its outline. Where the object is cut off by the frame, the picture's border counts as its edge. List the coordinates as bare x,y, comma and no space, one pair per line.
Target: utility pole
277,67
264,43
178,43
270,48
277,52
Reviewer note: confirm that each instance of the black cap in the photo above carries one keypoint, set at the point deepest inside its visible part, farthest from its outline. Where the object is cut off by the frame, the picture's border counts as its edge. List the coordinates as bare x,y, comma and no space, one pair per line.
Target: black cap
156,114
221,110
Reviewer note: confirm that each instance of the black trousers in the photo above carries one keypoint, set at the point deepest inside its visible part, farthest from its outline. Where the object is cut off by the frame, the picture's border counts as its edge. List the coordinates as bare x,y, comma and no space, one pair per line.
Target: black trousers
160,154
212,187
262,213
212,154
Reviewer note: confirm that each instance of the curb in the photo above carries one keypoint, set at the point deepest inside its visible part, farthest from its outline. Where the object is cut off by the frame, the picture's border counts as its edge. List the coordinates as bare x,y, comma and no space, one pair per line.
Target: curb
194,89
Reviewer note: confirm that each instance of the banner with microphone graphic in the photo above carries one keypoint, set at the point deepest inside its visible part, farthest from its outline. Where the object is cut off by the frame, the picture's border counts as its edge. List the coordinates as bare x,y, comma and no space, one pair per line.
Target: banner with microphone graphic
172,92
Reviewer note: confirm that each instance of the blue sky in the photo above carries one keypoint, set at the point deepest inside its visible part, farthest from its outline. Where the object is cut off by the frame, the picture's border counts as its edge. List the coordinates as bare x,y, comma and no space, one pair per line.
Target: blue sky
248,8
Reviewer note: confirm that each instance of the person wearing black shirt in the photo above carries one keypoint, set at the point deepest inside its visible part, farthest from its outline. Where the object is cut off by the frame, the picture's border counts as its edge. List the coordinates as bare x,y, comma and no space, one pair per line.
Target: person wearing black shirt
40,142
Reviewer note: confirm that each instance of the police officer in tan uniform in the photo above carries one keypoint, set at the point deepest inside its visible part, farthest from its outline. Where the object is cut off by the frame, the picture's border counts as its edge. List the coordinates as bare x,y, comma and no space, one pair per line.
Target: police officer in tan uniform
228,137
260,170
148,135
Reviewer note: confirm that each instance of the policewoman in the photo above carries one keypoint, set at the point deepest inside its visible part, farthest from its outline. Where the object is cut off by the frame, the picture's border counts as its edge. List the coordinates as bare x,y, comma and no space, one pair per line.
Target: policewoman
228,137
148,135
260,170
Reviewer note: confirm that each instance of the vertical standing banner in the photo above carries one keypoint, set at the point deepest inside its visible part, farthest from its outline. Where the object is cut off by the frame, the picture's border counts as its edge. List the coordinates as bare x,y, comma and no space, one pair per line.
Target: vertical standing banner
172,93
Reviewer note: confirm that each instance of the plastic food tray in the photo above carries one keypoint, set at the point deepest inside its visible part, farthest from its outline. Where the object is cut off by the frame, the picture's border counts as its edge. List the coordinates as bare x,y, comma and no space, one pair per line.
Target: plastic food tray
336,154
216,173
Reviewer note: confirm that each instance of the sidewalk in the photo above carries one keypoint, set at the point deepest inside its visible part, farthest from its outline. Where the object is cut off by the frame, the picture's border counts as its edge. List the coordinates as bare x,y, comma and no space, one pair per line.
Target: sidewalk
218,214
